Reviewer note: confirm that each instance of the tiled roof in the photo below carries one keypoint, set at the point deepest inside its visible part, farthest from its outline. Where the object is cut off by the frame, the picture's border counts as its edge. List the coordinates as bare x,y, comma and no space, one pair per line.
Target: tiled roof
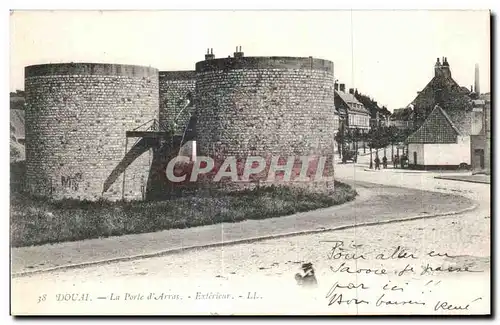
347,97
443,127
437,128
403,114
461,120
350,99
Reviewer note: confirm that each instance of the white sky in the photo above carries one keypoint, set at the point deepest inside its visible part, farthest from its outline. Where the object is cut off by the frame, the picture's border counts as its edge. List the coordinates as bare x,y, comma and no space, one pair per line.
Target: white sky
388,55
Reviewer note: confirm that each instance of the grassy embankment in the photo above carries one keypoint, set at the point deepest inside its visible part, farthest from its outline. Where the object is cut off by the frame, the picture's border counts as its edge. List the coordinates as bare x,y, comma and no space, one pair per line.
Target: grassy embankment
36,221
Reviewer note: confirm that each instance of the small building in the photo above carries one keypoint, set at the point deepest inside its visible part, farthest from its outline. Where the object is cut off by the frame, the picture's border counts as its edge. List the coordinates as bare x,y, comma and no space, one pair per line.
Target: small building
487,132
379,116
402,118
481,140
444,140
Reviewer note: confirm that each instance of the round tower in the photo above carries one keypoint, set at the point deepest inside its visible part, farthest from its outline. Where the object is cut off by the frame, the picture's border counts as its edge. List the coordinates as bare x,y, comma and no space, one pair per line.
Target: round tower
265,106
77,116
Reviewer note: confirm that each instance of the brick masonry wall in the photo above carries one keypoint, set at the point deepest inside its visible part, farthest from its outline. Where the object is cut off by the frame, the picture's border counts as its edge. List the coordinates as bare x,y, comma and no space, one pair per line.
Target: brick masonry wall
285,110
173,88
76,119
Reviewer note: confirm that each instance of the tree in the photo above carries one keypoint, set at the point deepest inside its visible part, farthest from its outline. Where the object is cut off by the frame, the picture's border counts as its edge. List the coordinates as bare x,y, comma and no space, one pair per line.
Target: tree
343,137
394,136
339,138
363,137
377,138
356,138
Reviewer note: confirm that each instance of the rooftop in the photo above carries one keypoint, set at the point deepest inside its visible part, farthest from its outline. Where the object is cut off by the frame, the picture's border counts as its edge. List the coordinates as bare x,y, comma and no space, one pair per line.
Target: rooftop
352,102
443,127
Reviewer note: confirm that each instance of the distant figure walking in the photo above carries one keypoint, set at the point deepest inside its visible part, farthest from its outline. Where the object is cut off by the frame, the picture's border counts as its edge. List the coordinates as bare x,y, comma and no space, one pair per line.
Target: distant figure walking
377,163
384,162
403,161
396,161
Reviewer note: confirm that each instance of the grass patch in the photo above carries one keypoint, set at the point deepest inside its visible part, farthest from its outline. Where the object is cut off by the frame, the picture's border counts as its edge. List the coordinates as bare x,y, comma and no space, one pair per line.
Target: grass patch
36,221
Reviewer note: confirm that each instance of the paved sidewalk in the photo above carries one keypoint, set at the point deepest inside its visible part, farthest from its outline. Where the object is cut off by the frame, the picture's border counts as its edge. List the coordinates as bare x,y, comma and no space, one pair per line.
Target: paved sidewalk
483,179
396,170
375,204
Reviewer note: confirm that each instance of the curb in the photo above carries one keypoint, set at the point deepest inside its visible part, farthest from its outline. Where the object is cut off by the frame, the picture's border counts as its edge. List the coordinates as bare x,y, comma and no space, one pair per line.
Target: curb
462,180
393,170
234,242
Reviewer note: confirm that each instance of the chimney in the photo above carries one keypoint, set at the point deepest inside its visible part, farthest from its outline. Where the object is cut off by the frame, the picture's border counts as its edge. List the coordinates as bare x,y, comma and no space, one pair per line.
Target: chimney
442,69
210,54
351,91
342,88
476,79
238,53
446,68
336,86
437,68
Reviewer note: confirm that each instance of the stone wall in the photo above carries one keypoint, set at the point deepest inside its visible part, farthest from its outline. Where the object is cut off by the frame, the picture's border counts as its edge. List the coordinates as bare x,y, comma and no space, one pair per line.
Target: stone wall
76,119
175,87
266,107
77,116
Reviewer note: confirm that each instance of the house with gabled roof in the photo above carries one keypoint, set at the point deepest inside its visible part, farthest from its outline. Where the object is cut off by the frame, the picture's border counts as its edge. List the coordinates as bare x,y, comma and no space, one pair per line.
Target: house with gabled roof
443,140
379,116
441,90
481,142
402,118
351,110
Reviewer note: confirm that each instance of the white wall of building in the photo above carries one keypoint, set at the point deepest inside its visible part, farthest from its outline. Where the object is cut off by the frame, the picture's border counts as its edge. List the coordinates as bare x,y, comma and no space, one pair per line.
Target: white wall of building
419,149
441,154
448,154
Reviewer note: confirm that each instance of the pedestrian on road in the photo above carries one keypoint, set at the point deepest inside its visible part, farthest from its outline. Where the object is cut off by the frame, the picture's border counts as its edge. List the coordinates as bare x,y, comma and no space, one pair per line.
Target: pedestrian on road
396,161
384,162
377,163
